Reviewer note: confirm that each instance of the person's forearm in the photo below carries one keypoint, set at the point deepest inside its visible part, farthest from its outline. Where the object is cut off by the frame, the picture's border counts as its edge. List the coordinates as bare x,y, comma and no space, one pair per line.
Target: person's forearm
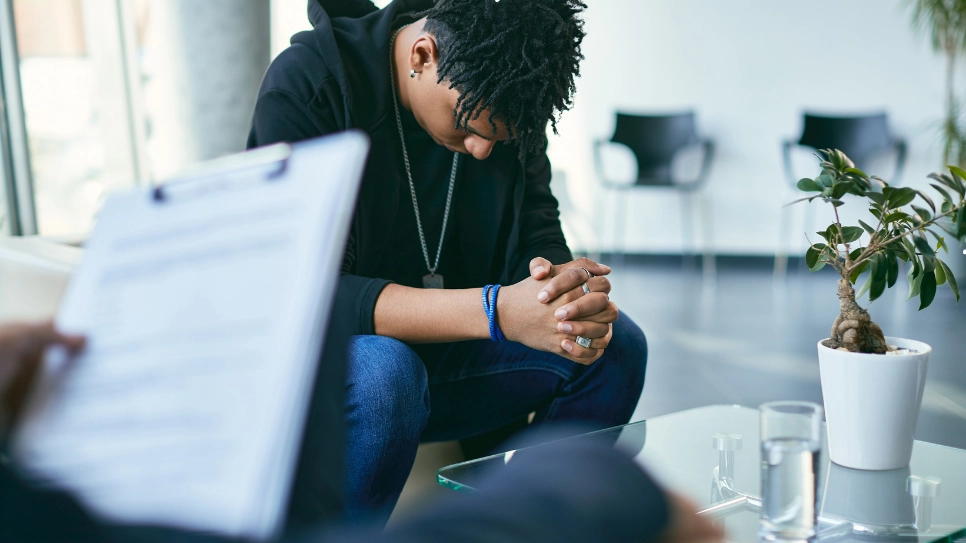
430,315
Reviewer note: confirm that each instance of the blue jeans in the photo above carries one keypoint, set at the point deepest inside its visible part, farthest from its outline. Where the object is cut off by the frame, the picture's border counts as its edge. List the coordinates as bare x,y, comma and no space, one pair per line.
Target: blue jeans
400,395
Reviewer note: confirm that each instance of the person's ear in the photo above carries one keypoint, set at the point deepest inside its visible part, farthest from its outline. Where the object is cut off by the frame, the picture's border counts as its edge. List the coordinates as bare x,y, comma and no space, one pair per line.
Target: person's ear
424,54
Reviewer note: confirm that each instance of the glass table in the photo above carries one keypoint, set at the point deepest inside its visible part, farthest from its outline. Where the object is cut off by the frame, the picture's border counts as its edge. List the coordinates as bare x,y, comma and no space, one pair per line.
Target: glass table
711,454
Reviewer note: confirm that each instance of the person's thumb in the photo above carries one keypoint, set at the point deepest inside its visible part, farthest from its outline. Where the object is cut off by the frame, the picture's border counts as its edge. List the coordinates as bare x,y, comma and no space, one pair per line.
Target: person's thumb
540,268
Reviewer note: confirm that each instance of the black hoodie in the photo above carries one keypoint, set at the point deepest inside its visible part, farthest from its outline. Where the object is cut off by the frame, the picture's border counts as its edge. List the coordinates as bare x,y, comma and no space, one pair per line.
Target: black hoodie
336,77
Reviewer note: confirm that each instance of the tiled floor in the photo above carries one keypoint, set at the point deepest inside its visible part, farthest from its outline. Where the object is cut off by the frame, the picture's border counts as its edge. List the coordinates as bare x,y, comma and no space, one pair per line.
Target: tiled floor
747,339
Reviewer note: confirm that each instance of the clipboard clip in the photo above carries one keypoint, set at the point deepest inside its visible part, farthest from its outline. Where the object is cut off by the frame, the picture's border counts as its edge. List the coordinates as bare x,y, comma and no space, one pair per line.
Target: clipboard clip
272,158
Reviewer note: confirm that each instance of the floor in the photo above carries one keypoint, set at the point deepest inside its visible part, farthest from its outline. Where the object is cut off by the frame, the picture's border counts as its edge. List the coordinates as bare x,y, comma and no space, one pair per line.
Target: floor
746,338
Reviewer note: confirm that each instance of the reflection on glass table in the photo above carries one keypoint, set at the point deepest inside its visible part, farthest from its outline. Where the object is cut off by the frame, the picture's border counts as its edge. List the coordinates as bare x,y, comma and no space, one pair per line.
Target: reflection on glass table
711,454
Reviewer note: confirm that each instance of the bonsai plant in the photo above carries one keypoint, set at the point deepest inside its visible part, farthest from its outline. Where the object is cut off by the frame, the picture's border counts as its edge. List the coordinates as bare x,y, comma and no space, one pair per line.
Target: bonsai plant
872,401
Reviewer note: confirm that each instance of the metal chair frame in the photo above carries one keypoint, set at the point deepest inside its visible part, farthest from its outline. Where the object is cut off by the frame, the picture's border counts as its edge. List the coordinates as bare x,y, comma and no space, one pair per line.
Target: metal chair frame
690,197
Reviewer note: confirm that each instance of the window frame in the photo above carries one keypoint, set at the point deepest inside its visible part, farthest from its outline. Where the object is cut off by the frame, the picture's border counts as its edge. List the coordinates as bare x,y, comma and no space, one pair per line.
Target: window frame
16,178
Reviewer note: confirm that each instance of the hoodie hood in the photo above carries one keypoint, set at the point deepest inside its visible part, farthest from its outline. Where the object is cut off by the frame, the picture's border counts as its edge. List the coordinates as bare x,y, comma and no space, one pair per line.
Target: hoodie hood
353,38
339,8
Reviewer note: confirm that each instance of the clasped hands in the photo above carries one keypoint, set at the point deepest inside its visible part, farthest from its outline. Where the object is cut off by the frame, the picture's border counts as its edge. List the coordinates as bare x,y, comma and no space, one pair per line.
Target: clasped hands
548,310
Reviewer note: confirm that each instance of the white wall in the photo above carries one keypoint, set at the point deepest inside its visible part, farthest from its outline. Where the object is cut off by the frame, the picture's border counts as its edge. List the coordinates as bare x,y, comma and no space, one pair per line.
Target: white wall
748,67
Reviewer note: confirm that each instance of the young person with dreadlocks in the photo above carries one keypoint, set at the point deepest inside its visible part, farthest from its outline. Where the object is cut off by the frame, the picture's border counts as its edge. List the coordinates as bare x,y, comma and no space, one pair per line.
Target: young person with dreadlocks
456,96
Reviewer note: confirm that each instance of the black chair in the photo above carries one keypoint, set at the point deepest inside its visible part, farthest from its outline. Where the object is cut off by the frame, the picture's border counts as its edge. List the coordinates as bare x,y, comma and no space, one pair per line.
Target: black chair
655,141
862,138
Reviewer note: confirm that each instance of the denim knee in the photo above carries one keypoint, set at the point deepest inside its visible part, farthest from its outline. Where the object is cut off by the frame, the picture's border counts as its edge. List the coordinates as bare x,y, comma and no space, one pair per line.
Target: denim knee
628,350
387,390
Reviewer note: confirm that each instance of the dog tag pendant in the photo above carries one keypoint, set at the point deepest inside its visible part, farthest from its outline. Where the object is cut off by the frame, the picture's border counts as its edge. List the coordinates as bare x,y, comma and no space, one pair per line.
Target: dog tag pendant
433,280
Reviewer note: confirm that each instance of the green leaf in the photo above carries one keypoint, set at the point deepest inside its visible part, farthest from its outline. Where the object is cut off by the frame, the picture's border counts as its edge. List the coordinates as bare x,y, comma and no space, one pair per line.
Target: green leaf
928,200
941,244
946,207
923,245
865,286
958,176
835,202
856,171
947,180
841,189
814,257
950,181
909,248
879,271
825,180
928,264
854,276
940,274
961,223
898,196
915,283
808,185
876,197
896,216
950,278
831,235
927,291
923,213
941,190
851,233
868,228
892,273
949,227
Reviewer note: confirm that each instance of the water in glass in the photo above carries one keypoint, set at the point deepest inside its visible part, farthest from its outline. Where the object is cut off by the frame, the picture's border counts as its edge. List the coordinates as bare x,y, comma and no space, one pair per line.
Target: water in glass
789,485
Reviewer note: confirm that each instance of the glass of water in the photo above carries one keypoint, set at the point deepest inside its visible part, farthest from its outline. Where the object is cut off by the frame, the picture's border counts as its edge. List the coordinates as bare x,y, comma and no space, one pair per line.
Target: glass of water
791,438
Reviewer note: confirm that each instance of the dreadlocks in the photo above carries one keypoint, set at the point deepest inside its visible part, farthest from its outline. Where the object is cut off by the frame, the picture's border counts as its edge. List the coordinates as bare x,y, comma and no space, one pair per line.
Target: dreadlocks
517,58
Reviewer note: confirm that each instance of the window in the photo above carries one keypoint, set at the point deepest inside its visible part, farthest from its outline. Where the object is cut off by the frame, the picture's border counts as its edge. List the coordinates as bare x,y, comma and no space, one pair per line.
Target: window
110,94
77,109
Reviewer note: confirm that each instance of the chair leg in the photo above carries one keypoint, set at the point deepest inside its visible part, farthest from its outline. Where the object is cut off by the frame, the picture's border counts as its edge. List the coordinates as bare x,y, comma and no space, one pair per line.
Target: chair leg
781,251
688,248
708,264
619,229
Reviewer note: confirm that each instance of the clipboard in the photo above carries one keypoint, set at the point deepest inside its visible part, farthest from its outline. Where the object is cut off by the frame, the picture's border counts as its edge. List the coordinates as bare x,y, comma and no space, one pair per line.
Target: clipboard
205,301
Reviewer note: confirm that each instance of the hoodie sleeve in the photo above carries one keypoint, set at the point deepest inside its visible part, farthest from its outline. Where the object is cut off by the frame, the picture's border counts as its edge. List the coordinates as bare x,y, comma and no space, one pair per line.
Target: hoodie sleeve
281,116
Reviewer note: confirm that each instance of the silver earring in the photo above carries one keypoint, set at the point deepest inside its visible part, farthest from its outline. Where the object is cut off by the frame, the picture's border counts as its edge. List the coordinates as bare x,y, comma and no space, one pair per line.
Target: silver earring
412,74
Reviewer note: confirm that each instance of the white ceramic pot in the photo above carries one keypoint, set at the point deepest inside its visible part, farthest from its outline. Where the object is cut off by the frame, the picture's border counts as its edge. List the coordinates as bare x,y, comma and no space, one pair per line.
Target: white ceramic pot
872,403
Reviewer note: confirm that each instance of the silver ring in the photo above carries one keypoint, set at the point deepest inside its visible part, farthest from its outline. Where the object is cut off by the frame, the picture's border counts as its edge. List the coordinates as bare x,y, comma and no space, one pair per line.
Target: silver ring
586,288
589,275
583,342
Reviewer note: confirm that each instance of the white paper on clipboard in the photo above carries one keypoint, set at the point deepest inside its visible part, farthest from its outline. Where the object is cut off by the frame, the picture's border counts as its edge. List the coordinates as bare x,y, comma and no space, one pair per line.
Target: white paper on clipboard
204,304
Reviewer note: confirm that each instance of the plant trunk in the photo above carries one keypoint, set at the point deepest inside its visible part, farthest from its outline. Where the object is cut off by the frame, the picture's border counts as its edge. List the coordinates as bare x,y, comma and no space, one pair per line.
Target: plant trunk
854,329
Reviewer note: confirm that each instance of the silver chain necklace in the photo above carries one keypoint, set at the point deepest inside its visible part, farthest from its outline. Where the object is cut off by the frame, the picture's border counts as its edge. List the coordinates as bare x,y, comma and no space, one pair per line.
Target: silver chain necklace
433,280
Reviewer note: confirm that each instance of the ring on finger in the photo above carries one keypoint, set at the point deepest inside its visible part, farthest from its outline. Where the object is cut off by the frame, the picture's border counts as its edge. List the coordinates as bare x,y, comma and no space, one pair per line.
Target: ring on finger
585,287
583,342
589,275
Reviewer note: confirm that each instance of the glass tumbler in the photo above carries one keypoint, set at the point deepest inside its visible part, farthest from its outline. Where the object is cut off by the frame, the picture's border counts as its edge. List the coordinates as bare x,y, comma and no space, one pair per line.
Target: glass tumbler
791,439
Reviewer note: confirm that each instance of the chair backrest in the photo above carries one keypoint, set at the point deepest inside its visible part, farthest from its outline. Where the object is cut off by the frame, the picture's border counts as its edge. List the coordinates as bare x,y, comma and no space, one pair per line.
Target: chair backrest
654,140
859,137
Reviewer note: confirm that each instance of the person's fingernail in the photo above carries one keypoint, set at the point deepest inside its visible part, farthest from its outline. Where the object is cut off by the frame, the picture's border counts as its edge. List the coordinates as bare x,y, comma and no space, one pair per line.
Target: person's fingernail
542,296
567,347
560,313
565,328
539,269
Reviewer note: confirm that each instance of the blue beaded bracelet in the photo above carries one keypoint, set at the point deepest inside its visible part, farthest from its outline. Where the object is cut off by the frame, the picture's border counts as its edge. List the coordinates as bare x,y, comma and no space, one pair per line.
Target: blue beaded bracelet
489,307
